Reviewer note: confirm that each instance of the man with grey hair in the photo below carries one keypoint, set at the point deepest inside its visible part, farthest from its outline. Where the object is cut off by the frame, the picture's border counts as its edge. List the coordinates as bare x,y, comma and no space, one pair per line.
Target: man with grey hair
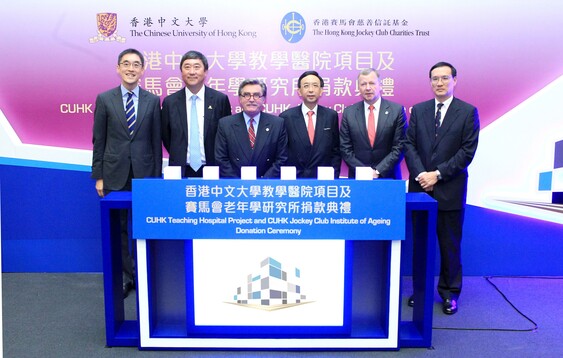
252,137
372,131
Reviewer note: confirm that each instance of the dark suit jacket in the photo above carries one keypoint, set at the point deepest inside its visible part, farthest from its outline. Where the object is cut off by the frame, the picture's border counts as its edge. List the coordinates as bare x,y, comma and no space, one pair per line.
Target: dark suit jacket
232,146
115,151
325,150
175,124
450,152
386,153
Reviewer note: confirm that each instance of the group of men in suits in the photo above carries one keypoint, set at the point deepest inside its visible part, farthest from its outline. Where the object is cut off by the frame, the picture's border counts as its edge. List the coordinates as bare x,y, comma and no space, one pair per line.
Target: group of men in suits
197,128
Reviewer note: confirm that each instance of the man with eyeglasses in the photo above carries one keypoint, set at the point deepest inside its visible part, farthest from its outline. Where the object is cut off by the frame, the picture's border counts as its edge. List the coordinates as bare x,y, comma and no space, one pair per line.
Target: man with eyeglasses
441,142
372,131
190,118
252,137
127,141
312,130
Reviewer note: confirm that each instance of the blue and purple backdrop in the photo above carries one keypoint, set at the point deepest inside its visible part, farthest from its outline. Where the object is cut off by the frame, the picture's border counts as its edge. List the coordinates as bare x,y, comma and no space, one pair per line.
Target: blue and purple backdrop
58,57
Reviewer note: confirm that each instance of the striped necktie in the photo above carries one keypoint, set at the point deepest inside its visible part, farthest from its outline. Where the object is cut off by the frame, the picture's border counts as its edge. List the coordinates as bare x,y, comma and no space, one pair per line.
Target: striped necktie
251,133
130,113
438,117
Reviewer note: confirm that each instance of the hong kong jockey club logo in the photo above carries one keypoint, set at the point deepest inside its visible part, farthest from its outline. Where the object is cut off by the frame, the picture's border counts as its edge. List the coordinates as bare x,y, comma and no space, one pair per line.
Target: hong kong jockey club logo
293,27
107,28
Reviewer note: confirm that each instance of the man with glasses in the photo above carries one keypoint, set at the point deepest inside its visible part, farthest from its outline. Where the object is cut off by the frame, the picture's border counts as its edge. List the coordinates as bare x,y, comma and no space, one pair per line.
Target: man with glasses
252,137
127,141
441,142
312,130
190,117
372,131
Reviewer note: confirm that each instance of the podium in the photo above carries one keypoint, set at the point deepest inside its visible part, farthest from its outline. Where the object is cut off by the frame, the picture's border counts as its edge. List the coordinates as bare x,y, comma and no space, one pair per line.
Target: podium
175,264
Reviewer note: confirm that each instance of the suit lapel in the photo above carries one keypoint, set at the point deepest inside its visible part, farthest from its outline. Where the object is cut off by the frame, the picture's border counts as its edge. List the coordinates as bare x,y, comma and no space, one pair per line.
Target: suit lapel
208,104
117,102
361,122
447,122
181,105
300,127
262,135
240,135
429,120
141,110
382,119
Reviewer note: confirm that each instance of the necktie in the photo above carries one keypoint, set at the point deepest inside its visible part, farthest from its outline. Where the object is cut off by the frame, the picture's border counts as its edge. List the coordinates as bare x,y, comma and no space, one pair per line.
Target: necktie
251,133
311,127
130,113
371,125
195,152
438,117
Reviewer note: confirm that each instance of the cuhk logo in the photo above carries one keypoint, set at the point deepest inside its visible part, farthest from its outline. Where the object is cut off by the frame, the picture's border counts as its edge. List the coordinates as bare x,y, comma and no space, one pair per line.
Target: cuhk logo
293,27
107,28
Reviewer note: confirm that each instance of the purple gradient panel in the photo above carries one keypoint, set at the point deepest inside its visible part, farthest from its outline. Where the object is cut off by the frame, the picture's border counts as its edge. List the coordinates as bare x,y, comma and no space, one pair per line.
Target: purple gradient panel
558,160
50,70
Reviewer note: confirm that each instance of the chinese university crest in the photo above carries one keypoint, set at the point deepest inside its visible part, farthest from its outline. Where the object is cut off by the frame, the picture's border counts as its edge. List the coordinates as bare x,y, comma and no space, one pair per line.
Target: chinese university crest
107,28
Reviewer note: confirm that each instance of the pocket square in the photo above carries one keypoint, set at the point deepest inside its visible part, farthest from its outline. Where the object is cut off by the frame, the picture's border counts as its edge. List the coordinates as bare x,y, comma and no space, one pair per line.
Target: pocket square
326,129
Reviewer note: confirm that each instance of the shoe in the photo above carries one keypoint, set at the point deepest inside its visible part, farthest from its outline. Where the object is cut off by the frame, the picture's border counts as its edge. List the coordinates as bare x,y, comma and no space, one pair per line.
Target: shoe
449,306
410,301
127,287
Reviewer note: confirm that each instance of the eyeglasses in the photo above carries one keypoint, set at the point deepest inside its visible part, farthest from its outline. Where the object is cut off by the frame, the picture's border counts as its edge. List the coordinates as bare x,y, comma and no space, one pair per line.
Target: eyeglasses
127,64
311,85
445,79
248,96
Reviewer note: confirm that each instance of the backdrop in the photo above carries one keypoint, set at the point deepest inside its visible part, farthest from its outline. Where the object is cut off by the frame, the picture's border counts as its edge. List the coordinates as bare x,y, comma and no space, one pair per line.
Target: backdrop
59,56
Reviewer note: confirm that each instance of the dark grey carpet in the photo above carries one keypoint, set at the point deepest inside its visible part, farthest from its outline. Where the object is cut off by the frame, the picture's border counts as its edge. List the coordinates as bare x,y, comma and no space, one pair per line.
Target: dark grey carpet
62,315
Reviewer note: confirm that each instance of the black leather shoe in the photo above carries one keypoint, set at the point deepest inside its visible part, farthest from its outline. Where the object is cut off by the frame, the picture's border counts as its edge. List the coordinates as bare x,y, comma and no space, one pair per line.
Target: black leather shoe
449,306
127,287
410,301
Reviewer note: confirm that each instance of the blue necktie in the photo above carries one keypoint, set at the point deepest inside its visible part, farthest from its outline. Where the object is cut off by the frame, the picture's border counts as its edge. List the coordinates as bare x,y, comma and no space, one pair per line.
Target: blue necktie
130,113
195,154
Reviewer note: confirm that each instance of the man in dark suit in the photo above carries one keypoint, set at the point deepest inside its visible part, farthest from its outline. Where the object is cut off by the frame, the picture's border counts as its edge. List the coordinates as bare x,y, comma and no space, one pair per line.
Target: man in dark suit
441,142
312,130
252,137
179,129
127,141
372,131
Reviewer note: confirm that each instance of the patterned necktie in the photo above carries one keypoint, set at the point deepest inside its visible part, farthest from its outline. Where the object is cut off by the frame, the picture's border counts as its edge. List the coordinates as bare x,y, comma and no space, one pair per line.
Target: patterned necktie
195,150
251,133
130,113
310,126
371,125
438,117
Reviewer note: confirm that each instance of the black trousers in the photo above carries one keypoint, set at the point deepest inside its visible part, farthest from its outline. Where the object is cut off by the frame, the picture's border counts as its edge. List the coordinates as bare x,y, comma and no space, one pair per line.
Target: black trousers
449,227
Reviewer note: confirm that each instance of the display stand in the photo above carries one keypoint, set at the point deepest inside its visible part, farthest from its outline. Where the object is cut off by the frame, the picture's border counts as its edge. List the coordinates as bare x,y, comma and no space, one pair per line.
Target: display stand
166,318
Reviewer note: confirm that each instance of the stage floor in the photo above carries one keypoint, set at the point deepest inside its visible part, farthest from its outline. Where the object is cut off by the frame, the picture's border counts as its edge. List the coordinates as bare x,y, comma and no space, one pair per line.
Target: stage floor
62,315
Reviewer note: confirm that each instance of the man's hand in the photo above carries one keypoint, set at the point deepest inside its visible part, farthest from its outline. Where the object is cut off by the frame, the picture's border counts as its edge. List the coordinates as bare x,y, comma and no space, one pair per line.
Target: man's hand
100,187
427,180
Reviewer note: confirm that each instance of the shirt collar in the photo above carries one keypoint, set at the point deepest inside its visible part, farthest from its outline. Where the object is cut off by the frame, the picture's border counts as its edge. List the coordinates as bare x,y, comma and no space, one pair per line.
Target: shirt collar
247,118
200,94
124,91
446,103
305,110
376,105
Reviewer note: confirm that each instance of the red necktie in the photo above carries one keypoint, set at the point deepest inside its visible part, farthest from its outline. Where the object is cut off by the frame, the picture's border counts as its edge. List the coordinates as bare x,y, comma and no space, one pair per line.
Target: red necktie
251,134
311,127
371,126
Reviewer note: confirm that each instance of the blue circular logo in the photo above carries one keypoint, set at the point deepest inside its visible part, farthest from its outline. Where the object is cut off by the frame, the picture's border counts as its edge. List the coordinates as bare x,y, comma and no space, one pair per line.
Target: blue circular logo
293,27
